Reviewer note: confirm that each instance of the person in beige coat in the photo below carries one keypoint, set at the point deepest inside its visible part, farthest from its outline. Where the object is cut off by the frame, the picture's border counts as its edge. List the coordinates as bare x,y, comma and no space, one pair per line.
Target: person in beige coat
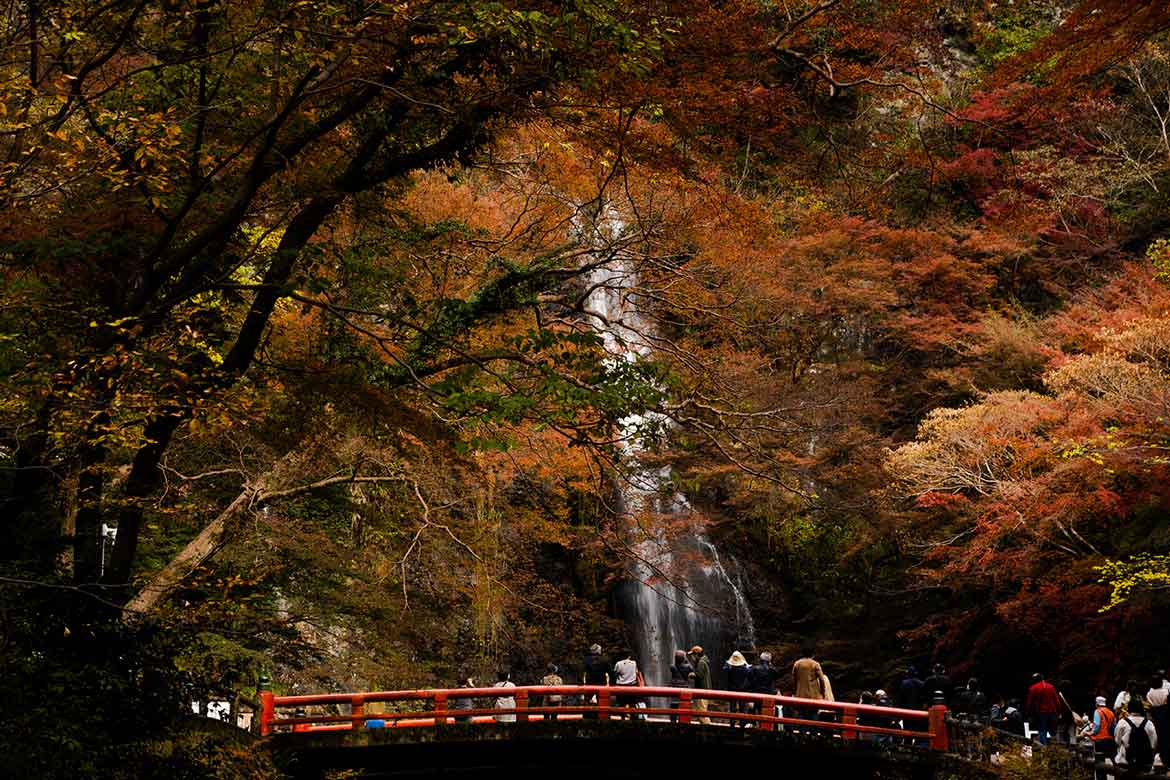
808,676
810,682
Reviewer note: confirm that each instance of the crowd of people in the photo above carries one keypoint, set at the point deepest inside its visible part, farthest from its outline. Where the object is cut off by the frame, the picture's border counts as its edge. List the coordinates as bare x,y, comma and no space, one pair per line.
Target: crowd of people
688,670
1133,732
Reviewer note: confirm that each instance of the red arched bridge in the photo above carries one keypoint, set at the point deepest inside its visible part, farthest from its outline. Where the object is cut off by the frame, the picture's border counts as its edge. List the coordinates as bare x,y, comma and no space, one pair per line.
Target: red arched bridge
596,732
436,708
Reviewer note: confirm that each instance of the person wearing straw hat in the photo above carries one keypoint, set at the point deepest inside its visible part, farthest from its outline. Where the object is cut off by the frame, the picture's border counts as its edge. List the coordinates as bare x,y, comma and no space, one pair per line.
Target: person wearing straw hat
737,670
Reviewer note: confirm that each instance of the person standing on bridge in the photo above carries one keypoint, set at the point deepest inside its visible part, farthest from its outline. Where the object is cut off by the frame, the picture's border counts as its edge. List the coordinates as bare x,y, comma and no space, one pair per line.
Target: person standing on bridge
810,682
682,675
938,683
702,680
465,702
595,671
763,678
808,676
507,701
909,694
553,699
737,670
625,674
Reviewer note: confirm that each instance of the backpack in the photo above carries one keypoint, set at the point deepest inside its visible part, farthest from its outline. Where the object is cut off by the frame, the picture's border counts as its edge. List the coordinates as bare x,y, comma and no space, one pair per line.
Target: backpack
1139,752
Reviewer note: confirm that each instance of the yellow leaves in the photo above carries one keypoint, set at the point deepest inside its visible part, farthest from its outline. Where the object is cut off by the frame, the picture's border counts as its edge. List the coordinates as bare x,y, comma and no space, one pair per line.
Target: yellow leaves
1140,574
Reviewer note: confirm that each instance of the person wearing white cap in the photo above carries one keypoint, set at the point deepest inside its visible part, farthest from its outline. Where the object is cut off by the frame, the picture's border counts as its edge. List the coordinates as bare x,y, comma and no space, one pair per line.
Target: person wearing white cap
1100,733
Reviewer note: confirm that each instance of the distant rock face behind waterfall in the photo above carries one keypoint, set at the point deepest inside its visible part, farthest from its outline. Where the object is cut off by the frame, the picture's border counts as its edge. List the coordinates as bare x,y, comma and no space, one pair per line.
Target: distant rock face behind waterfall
679,592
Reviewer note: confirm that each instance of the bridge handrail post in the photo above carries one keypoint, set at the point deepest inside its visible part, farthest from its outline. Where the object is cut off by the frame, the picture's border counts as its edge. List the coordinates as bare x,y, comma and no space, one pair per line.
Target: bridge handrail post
767,708
937,720
357,708
685,706
267,712
440,709
603,704
521,705
849,717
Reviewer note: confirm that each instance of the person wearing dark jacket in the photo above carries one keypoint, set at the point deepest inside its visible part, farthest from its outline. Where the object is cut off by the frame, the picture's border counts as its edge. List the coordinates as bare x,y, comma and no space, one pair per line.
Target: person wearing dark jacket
909,695
937,683
737,670
763,678
682,675
971,701
682,672
595,671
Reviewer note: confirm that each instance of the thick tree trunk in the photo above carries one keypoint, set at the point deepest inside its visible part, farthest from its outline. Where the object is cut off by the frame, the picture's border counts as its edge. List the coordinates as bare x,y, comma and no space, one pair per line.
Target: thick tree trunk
143,480
31,502
87,561
145,475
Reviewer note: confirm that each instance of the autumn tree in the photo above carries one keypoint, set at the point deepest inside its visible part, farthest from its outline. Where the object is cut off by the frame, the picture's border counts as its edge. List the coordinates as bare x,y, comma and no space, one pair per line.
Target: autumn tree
206,147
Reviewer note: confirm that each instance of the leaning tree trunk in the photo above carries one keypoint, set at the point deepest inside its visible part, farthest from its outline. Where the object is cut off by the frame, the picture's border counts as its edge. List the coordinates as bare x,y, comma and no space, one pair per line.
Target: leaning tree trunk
199,549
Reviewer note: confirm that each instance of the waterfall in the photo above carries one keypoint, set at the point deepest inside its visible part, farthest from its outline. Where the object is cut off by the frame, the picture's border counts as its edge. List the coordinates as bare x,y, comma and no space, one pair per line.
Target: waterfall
679,593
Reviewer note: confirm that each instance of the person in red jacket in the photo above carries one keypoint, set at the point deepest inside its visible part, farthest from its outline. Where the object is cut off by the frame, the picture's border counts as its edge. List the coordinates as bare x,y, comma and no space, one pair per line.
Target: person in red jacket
1043,706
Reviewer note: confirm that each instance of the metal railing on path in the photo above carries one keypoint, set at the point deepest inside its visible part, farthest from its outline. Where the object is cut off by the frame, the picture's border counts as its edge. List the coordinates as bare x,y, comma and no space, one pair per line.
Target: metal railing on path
436,709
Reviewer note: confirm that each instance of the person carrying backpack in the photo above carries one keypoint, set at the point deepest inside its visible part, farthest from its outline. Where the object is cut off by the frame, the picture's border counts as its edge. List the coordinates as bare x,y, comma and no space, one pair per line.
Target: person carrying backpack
1136,738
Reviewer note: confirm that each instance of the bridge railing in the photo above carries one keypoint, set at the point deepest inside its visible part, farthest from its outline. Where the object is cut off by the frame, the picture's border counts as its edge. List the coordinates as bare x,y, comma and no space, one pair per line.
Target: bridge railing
436,708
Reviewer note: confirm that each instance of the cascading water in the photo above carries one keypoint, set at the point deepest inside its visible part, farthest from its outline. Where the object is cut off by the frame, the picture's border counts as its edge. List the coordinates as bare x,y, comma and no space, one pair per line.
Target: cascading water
679,593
